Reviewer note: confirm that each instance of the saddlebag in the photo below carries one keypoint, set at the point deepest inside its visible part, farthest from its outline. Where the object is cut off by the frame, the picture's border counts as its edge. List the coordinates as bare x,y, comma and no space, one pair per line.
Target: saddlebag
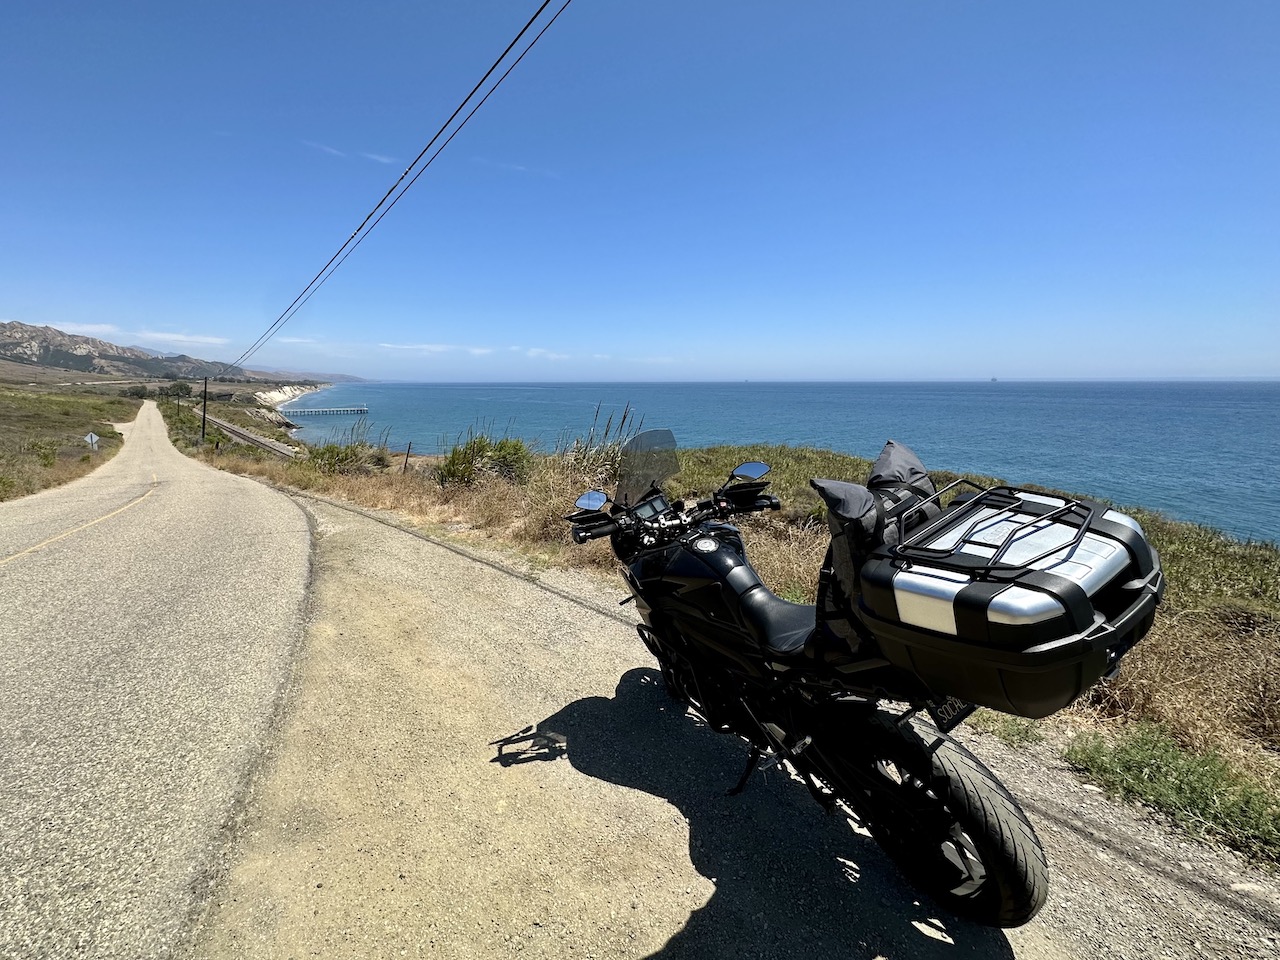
1012,599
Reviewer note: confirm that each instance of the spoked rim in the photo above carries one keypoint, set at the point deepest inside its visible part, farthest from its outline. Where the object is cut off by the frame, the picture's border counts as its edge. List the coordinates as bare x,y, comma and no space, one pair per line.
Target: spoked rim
962,853
941,816
929,829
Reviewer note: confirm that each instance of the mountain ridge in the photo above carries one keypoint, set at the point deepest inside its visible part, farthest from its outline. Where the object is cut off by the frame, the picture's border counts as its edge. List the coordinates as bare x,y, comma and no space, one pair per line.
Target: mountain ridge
51,348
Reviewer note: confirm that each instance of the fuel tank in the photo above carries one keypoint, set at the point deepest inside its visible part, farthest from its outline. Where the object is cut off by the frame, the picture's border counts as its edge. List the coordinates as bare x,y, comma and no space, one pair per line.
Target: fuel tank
696,584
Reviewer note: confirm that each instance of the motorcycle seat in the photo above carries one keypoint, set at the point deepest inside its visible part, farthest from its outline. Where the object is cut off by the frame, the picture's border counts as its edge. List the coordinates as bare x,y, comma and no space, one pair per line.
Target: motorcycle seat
783,626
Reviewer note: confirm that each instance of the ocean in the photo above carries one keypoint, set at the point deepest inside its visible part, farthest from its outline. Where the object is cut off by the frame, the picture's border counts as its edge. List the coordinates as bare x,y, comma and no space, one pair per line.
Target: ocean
1203,451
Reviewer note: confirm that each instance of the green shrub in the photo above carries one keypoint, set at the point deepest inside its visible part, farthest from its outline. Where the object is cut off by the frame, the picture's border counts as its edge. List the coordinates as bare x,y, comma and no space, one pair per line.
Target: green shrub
351,452
479,456
45,451
1015,731
1200,790
510,459
332,458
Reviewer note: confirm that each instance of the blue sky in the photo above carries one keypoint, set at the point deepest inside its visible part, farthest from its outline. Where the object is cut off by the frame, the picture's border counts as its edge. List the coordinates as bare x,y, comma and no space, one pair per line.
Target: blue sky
662,190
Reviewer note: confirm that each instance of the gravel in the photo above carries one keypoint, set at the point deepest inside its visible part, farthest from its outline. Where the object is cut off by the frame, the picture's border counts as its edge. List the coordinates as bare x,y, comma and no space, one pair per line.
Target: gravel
385,821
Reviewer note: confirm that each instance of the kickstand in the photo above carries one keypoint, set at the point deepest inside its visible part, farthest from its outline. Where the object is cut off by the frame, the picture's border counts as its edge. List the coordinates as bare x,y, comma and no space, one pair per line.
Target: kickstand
825,799
753,761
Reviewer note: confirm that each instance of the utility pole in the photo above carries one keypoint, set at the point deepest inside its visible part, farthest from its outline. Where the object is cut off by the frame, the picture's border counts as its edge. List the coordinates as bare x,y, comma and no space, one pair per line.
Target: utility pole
204,409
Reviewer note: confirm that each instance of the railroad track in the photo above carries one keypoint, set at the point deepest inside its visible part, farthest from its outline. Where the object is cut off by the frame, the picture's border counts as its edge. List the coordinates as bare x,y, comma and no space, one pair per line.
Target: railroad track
244,436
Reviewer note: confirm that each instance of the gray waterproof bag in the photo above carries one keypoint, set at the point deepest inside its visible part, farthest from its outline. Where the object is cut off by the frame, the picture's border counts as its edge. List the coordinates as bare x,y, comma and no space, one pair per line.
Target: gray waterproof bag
861,518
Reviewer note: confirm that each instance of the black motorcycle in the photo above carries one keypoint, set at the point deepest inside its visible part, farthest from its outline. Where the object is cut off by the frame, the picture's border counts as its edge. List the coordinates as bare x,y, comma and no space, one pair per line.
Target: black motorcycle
1045,595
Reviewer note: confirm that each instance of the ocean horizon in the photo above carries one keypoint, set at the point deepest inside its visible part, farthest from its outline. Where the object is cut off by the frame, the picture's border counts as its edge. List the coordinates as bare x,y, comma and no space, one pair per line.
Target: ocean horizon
1195,449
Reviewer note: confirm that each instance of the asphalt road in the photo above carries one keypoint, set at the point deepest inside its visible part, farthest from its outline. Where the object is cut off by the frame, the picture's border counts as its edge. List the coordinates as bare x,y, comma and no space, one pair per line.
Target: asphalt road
149,617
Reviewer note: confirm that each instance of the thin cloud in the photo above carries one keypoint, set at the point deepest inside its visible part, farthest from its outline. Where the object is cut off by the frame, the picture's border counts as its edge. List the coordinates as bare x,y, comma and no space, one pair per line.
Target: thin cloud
89,329
158,336
116,335
421,347
538,353
333,152
296,340
379,158
515,168
439,348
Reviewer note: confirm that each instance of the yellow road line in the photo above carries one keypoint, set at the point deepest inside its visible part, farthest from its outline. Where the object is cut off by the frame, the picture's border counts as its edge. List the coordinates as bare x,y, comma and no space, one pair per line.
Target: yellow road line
83,526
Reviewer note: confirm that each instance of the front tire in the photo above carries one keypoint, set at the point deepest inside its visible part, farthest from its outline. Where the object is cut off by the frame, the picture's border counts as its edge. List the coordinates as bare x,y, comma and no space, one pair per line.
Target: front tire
943,817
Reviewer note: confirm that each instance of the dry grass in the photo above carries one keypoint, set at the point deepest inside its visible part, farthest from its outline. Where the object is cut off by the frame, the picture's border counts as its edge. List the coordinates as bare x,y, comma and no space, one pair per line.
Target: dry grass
1209,670
41,436
31,375
1190,726
787,555
1204,673
1209,677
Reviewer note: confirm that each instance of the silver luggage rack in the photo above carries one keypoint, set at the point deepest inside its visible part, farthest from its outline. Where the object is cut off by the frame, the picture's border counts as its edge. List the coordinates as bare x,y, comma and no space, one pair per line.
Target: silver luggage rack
1007,504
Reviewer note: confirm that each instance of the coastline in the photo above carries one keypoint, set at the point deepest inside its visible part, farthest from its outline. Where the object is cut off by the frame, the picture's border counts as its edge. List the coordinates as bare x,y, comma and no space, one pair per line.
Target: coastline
281,395
273,400
1022,433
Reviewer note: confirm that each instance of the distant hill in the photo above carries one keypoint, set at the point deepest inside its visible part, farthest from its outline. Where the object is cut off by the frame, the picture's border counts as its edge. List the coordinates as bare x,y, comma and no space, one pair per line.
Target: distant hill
295,375
51,348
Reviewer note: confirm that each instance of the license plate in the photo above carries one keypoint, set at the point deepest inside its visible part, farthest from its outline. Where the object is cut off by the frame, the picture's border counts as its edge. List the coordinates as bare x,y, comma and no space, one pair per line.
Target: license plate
950,713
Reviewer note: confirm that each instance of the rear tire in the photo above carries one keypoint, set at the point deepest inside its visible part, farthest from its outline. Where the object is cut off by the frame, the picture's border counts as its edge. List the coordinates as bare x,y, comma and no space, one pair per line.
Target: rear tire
943,817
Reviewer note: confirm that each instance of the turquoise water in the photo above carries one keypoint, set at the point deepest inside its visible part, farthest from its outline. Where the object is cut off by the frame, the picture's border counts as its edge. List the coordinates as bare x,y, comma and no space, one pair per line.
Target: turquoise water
1208,452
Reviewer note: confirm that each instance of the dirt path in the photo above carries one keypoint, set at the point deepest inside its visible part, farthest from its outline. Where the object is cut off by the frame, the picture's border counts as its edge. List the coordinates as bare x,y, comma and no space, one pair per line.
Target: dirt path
385,822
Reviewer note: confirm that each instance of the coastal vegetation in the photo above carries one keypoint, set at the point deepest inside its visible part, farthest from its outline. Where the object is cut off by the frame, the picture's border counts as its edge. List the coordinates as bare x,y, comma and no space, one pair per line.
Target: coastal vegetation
184,422
351,451
480,456
42,435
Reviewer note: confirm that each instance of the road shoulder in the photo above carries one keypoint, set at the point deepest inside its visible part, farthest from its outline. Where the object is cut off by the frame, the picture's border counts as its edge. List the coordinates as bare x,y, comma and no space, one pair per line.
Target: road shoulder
383,820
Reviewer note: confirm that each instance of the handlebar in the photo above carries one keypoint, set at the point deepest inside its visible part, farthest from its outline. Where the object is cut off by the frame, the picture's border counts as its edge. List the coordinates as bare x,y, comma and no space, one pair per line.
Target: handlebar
722,508
583,534
718,507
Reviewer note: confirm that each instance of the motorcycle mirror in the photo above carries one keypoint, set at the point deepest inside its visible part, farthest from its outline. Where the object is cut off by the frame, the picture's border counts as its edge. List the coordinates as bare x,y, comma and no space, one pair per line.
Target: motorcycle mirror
591,500
751,470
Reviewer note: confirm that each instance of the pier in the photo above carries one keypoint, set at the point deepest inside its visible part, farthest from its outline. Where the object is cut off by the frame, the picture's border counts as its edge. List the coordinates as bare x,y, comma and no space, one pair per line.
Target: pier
325,411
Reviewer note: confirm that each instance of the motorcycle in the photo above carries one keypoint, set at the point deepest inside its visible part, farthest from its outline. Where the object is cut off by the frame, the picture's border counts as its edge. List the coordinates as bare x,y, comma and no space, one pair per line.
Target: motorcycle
848,719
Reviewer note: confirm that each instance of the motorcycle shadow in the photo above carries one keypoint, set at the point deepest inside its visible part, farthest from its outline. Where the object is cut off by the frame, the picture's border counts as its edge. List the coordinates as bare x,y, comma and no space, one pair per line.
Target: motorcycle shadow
790,879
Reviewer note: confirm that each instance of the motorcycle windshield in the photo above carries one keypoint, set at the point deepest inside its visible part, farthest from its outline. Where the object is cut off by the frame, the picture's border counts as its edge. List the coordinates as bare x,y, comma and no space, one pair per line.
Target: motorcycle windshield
647,459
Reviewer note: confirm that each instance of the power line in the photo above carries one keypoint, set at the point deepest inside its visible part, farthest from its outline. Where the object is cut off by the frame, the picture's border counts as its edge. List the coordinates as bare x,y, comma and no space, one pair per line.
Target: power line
320,276
301,303
365,228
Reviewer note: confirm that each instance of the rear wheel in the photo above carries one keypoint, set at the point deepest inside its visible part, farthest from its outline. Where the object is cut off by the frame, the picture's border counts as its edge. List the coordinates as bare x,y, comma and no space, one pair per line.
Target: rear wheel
670,683
946,821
